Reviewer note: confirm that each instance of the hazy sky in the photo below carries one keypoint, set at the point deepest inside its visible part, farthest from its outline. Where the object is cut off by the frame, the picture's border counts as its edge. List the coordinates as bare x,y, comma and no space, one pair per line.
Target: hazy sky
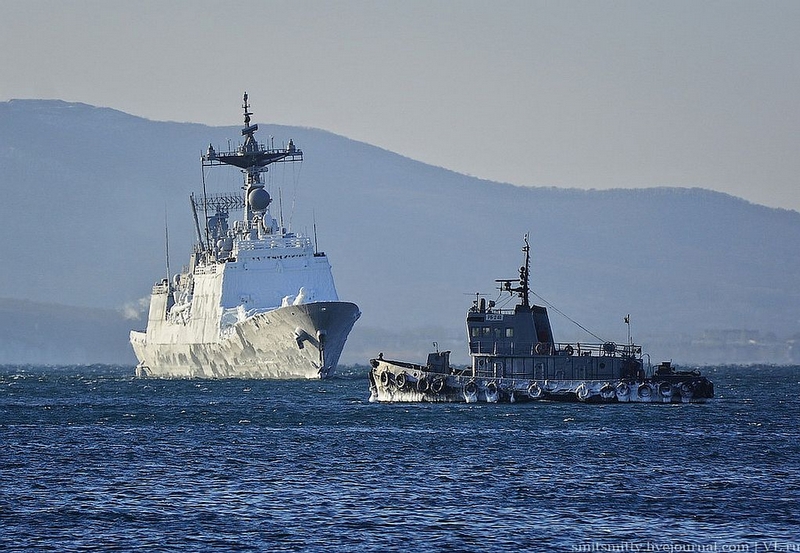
571,94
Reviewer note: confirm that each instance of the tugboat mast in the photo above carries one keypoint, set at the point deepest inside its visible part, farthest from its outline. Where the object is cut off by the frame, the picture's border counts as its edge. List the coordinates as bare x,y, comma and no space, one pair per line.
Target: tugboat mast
524,275
523,290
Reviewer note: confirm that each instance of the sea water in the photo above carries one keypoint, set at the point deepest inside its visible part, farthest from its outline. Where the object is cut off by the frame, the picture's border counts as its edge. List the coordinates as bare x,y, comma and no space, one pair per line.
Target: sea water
92,458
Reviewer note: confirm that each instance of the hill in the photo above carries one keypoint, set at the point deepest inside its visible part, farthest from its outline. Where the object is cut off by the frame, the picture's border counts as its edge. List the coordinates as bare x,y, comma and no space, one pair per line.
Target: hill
706,277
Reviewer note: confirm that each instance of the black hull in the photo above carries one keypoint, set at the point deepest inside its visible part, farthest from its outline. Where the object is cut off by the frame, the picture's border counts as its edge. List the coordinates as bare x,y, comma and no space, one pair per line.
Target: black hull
402,382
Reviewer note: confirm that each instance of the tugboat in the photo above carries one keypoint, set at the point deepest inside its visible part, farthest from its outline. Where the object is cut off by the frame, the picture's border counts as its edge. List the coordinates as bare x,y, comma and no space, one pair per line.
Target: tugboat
256,300
515,358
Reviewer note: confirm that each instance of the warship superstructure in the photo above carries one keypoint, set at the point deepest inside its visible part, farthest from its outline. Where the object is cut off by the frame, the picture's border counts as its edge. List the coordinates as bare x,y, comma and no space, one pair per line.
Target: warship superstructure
516,358
256,300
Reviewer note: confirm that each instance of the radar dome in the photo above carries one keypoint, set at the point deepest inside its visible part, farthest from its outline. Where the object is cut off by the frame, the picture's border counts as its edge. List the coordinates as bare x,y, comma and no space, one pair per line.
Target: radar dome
259,199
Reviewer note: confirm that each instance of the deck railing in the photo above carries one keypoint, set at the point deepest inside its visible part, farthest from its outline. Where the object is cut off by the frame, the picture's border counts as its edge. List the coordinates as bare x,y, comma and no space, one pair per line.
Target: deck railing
607,349
276,242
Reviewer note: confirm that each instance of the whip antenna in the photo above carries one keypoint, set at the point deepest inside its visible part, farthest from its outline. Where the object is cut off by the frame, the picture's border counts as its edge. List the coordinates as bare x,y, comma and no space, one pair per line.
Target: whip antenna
166,240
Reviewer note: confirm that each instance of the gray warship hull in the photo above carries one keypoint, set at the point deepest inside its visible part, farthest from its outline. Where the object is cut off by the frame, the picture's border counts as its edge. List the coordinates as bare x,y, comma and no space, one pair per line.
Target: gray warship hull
303,341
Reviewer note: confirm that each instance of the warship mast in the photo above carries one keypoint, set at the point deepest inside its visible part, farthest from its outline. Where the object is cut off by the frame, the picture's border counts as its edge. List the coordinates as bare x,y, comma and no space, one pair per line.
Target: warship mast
253,158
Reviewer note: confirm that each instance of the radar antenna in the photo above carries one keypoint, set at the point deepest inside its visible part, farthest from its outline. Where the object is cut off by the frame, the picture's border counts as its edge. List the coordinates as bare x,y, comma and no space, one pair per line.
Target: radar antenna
253,159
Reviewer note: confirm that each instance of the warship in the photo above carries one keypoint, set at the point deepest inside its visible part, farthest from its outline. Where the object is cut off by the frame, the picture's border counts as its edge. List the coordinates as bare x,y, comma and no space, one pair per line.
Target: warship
516,358
255,300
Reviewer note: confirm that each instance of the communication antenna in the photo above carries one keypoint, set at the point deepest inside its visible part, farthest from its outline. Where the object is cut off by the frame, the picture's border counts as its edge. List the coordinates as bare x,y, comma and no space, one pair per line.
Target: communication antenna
628,324
280,206
525,273
196,221
205,203
166,241
314,218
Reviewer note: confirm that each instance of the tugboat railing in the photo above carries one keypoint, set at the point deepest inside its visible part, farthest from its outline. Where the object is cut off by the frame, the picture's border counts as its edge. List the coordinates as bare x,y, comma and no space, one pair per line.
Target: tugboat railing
568,349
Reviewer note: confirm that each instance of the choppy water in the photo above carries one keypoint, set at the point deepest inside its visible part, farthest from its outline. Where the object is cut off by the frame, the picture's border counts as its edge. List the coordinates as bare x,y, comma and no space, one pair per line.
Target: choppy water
93,459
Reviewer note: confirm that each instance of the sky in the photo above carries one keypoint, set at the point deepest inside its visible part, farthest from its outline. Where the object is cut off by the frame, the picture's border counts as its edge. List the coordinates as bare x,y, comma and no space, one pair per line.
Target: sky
576,94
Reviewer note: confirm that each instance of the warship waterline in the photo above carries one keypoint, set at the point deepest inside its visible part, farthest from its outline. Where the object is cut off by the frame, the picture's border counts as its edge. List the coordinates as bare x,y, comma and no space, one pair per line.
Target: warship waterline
515,358
256,300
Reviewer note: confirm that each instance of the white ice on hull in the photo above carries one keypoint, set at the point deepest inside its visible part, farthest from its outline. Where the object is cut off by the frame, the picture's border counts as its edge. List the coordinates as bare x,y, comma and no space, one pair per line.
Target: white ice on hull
282,343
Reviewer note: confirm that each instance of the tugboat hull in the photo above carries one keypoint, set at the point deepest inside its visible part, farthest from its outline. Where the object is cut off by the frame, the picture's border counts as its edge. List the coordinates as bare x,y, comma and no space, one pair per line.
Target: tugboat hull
392,381
302,341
